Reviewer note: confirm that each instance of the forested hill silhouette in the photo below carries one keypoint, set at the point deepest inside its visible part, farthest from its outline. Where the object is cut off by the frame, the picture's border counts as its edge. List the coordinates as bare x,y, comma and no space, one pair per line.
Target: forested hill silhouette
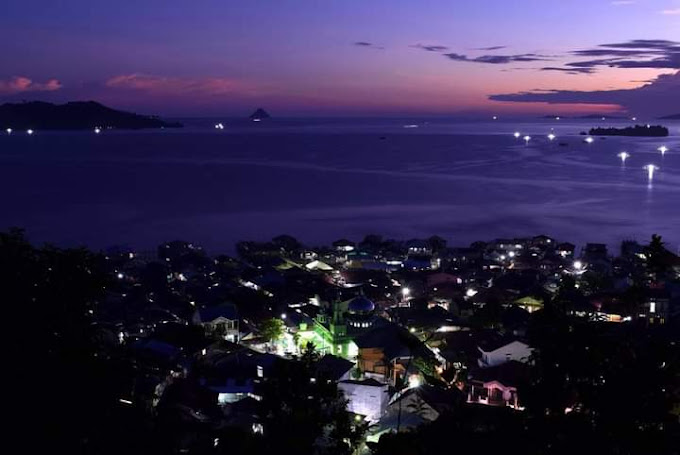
76,115
637,130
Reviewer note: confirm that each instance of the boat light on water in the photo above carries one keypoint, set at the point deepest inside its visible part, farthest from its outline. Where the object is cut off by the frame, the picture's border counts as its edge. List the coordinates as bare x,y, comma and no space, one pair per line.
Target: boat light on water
650,170
589,140
517,134
551,136
624,156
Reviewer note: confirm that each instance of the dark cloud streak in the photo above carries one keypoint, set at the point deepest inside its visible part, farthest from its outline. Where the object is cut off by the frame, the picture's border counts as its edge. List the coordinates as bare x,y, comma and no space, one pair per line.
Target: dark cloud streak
569,70
497,59
492,48
367,44
430,48
657,54
659,97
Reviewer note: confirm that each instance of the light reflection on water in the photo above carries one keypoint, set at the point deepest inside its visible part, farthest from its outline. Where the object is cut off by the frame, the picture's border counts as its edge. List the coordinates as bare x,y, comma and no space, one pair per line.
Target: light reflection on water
324,180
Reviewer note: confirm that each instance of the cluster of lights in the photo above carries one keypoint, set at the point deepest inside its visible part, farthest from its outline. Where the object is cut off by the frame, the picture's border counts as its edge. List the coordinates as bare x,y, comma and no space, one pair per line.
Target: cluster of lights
219,126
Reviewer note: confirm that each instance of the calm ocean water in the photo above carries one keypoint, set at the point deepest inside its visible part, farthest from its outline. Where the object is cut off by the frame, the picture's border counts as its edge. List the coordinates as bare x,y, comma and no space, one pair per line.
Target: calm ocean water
320,180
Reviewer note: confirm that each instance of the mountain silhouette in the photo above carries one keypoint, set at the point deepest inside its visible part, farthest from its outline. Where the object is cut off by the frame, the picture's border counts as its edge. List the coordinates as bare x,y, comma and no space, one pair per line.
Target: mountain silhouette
77,115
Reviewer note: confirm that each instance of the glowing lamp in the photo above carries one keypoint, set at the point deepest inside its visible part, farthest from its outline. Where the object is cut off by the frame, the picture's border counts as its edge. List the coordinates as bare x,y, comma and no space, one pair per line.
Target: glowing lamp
650,170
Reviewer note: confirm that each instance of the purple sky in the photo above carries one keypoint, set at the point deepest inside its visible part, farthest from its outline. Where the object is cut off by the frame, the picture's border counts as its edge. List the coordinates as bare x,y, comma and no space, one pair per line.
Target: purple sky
345,57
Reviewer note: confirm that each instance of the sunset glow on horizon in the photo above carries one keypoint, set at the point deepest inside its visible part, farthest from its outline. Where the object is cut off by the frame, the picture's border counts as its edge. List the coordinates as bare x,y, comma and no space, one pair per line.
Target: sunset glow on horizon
344,58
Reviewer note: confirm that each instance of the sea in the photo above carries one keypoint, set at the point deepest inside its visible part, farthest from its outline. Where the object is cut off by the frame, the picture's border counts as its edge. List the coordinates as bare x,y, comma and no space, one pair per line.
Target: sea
324,179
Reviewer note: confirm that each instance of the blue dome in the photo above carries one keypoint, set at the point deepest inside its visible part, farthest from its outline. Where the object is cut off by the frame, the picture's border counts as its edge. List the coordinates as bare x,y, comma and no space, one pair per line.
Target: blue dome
360,304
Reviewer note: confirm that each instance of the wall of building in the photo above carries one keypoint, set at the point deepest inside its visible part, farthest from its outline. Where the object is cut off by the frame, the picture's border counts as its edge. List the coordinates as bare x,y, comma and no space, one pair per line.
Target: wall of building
367,400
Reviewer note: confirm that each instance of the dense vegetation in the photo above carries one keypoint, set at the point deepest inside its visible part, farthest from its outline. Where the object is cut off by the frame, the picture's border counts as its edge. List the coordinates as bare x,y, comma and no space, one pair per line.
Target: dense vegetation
637,130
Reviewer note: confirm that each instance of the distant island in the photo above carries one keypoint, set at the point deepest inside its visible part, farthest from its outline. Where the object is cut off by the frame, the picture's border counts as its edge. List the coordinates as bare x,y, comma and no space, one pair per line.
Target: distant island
637,130
259,114
598,116
77,115
671,117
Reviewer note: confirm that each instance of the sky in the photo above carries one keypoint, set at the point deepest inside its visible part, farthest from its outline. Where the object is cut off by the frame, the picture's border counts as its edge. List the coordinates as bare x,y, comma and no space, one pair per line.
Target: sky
345,57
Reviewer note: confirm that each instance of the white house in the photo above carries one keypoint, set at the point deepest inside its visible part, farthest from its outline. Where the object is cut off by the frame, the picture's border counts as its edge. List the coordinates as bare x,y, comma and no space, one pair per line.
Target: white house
503,351
367,397
222,321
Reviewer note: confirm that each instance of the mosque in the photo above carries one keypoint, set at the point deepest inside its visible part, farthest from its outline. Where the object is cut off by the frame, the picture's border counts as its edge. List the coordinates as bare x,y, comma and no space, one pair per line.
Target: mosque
337,325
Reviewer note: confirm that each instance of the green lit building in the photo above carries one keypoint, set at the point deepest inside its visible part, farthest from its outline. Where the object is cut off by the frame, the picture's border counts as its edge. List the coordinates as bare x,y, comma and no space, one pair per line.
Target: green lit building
334,329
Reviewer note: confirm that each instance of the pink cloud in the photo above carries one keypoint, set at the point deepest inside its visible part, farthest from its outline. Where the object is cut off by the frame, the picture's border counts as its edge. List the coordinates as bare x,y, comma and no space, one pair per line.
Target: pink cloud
174,85
19,84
